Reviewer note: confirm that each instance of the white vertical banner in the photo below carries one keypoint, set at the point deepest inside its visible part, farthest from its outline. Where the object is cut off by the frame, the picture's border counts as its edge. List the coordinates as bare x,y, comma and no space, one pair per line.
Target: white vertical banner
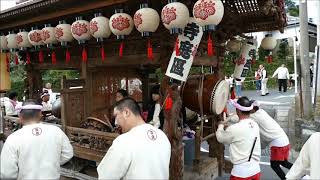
243,64
179,66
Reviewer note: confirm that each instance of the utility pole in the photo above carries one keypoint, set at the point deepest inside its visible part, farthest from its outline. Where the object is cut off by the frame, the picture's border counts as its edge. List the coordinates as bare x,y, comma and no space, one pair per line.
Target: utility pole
317,70
304,59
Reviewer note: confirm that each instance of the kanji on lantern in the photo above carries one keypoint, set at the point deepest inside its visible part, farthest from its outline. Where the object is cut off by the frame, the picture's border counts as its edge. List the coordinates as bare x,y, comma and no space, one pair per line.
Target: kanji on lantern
185,49
177,66
191,30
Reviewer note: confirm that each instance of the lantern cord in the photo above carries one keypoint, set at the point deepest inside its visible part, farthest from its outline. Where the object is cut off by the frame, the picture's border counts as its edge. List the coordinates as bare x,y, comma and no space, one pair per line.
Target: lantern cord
121,49
53,57
177,47
28,58
84,54
150,51
40,56
68,56
16,60
103,56
8,62
210,49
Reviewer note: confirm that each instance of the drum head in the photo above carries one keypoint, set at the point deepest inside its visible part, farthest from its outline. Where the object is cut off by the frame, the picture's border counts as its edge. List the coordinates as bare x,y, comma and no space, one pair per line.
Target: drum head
219,97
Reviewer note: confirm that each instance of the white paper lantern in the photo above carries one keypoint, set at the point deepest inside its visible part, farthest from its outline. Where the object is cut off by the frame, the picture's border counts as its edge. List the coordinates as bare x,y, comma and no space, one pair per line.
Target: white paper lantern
22,40
80,30
12,43
146,20
63,33
99,27
48,35
233,45
208,12
34,37
3,43
175,16
121,24
268,43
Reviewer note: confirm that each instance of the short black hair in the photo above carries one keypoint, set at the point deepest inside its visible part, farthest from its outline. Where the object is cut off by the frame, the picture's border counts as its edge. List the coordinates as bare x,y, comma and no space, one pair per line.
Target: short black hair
244,101
155,89
123,92
28,114
129,103
13,95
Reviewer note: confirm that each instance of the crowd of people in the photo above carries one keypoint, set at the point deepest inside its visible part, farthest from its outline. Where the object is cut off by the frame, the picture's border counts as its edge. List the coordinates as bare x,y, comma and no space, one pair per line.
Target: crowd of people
143,151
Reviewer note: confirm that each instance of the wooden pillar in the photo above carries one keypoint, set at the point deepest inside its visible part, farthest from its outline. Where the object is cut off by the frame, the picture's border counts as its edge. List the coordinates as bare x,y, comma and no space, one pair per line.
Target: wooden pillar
33,82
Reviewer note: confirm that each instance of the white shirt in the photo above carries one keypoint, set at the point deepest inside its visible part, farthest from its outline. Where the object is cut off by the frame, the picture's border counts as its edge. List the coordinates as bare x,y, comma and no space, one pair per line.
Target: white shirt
264,74
9,108
309,158
282,72
270,130
35,152
46,106
142,153
156,120
241,137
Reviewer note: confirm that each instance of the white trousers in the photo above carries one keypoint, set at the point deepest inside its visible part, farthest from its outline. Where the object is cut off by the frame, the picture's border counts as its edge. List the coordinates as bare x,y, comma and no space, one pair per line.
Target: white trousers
264,89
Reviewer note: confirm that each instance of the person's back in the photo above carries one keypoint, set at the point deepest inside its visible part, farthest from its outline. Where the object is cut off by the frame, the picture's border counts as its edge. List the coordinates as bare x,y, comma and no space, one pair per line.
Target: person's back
269,128
39,149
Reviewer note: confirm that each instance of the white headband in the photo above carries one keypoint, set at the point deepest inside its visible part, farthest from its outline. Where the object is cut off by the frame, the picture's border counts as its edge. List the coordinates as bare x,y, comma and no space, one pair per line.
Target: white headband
29,106
238,106
45,94
256,103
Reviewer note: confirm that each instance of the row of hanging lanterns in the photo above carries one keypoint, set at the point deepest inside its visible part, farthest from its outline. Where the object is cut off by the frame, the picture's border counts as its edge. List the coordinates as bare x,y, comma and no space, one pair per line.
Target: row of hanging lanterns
174,16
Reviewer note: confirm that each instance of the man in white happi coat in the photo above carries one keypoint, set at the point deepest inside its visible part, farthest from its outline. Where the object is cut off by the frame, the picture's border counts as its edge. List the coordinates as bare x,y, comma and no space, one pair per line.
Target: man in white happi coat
264,80
308,159
142,152
244,140
37,150
271,132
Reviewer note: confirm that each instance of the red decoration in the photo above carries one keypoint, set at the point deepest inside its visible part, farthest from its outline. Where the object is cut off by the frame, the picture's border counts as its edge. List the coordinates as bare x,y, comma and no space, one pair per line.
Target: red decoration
94,26
204,9
269,59
53,57
102,54
121,49
168,15
68,56
137,19
7,62
35,37
28,58
253,61
120,23
45,35
150,53
16,60
210,46
84,55
40,56
177,47
59,32
19,39
79,28
168,103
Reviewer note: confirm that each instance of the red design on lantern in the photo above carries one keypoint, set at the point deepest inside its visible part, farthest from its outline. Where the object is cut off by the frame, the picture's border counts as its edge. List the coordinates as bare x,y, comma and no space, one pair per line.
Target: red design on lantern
137,19
204,9
168,15
19,39
35,37
45,35
59,32
79,28
94,26
120,23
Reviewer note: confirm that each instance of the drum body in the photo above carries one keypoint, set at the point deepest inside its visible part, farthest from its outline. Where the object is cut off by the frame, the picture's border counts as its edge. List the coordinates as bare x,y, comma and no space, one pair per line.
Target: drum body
207,92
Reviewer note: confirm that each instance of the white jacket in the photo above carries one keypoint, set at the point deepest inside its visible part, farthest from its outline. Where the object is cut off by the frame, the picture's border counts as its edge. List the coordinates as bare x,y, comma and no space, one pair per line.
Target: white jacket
35,152
241,137
309,158
142,153
282,72
270,130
